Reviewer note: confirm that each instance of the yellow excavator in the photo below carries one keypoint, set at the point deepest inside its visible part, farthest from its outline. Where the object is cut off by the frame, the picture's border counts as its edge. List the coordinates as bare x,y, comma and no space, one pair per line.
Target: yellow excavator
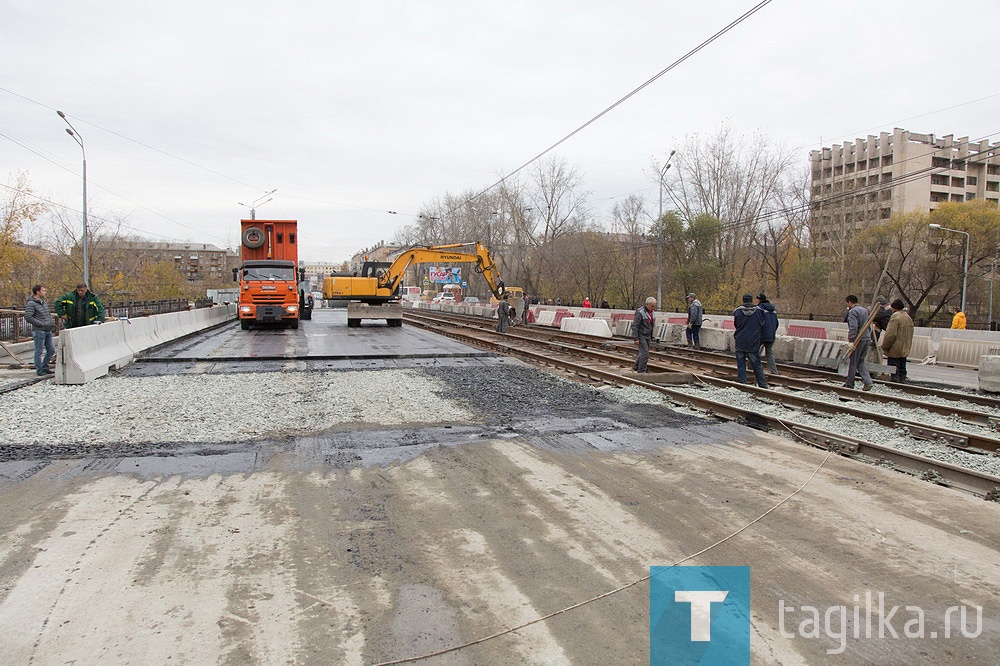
374,294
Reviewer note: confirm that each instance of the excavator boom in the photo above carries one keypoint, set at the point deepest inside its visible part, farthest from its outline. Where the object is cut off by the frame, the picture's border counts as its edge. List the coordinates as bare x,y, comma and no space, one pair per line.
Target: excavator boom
376,296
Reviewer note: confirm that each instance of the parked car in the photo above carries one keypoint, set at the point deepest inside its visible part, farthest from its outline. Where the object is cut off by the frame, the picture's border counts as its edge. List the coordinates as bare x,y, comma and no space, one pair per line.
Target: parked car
471,300
445,297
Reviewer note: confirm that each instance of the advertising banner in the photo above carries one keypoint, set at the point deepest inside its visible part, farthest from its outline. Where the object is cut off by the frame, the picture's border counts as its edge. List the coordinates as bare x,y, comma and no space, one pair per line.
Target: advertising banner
445,275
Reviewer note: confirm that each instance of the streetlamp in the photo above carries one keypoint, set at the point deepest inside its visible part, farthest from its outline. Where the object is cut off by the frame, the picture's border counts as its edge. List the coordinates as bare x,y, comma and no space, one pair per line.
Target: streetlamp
993,271
659,244
965,267
253,205
86,245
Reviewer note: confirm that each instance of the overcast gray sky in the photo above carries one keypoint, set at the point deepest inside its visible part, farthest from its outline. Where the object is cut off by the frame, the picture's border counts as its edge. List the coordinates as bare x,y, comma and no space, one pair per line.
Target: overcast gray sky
355,109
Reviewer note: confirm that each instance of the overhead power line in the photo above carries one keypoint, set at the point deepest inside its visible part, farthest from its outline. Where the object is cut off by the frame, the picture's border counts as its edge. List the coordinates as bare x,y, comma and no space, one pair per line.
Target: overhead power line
753,10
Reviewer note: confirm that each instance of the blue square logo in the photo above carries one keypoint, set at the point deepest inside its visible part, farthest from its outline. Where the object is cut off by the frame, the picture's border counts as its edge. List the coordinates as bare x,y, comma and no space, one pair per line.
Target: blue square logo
699,615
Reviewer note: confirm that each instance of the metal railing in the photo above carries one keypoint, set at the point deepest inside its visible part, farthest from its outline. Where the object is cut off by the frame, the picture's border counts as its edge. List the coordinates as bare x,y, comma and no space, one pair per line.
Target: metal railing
14,328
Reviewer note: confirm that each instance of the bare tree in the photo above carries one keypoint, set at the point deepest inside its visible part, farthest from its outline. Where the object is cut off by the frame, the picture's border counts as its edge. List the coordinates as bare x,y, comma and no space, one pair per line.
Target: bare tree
557,197
733,179
633,269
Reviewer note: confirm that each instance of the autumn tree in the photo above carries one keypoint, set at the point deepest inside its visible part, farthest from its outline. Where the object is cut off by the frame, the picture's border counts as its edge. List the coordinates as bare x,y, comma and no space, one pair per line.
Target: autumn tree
734,179
20,263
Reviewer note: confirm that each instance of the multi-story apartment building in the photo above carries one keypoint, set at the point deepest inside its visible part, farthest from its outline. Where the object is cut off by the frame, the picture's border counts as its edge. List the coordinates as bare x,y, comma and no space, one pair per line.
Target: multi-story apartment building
858,184
197,262
316,271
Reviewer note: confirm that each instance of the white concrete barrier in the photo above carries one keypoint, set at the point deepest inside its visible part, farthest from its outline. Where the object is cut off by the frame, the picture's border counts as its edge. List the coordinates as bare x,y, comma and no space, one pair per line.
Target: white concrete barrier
546,317
989,373
596,327
718,339
140,333
88,352
921,348
964,353
784,348
810,351
623,327
674,334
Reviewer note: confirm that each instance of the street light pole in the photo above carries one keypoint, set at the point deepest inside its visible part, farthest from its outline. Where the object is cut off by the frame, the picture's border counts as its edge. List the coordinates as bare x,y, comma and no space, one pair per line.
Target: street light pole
86,242
993,270
659,234
965,266
253,205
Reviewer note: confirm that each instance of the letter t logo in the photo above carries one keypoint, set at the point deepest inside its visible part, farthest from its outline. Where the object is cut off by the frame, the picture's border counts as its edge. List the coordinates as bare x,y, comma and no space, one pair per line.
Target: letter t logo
701,610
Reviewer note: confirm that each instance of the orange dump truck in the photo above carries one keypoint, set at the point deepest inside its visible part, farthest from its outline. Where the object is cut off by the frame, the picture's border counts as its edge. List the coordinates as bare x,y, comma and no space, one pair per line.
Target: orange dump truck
272,285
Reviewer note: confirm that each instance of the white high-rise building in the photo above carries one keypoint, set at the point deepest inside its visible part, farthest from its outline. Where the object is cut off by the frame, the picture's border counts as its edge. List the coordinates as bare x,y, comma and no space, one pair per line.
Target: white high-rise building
855,185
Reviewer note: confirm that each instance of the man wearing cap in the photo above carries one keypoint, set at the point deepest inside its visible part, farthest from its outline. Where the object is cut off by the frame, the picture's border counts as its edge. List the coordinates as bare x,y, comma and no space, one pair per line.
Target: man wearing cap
897,340
770,331
695,312
80,307
749,322
643,324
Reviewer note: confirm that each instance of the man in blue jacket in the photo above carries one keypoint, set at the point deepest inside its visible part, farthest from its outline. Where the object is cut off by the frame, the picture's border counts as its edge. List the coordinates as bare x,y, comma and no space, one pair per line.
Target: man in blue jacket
770,332
749,322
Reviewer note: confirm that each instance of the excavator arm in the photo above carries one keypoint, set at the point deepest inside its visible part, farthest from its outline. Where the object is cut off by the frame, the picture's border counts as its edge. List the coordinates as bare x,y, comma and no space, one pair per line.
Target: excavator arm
452,254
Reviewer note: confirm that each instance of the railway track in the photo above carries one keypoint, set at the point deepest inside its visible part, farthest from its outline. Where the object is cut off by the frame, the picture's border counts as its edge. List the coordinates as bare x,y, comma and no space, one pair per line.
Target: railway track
970,421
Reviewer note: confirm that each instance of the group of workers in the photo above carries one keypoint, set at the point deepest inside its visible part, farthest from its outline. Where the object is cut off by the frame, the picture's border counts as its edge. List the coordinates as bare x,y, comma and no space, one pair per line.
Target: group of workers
755,330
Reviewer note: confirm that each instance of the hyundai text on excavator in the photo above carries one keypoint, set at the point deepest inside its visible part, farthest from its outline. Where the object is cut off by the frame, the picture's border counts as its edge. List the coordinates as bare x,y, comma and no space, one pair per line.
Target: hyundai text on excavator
375,293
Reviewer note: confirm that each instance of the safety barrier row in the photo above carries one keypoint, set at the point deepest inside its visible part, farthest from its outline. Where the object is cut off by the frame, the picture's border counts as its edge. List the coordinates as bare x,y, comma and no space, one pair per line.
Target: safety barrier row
716,333
83,354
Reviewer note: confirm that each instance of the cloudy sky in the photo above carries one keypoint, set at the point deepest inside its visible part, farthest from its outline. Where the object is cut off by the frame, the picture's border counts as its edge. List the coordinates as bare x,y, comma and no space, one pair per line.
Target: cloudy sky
354,109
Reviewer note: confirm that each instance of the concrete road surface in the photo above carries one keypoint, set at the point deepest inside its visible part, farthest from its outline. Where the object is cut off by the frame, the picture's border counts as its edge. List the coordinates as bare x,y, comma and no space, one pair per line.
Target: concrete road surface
279,555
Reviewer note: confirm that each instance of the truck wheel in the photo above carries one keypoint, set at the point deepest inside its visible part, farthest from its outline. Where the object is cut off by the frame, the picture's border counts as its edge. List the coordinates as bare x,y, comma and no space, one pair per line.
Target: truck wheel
245,324
394,323
293,323
253,237
353,323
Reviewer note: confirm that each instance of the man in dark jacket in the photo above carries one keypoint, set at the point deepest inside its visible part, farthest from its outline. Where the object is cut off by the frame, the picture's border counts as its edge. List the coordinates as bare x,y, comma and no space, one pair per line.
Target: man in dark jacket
642,332
882,314
749,322
503,314
80,307
36,313
770,331
897,340
695,314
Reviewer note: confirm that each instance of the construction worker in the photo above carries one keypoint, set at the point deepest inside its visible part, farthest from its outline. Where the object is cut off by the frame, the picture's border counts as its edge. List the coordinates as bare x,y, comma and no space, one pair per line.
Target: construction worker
80,307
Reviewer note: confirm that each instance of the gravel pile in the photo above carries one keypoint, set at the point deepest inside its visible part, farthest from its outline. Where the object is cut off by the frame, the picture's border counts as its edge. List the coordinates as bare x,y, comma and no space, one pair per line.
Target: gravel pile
220,407
131,411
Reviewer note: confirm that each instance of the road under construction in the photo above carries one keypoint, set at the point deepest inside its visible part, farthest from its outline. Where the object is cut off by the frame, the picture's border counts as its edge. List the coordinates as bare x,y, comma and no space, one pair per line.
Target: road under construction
440,493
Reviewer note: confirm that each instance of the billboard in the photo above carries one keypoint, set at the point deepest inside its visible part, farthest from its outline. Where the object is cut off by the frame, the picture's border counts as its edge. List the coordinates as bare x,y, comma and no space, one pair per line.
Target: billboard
445,275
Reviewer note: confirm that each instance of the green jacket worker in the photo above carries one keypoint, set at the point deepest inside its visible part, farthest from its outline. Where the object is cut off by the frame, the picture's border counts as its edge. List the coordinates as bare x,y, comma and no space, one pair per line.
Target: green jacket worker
79,307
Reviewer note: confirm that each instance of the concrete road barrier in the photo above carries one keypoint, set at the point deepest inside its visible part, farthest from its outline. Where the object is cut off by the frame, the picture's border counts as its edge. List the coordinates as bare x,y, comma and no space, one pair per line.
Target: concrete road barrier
623,327
718,339
989,373
546,317
596,327
962,353
89,352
